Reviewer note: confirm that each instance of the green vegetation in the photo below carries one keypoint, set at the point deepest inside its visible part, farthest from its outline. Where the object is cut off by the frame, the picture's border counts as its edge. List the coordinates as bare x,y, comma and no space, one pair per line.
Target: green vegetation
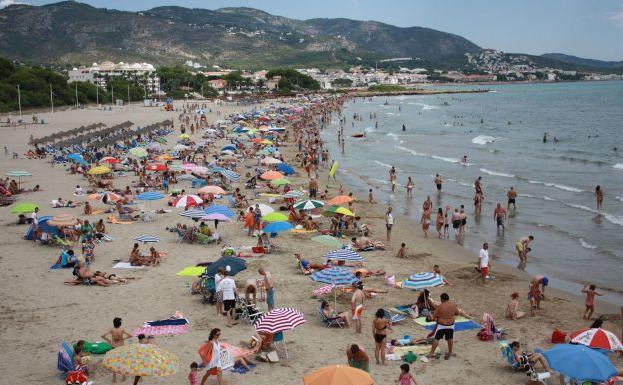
292,80
344,82
386,88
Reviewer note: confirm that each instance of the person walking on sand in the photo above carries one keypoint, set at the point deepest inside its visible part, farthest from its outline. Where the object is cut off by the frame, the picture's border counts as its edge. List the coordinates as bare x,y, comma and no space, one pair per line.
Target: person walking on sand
210,352
483,262
599,196
499,216
591,292
227,286
389,223
511,194
405,377
117,338
380,325
444,316
269,286
356,305
371,197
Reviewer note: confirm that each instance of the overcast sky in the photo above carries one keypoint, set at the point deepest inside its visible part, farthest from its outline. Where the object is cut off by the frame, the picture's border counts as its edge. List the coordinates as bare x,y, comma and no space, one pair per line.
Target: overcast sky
586,28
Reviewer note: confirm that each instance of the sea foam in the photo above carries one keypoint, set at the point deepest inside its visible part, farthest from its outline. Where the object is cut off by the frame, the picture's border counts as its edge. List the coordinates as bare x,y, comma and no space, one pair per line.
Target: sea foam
555,185
484,139
497,173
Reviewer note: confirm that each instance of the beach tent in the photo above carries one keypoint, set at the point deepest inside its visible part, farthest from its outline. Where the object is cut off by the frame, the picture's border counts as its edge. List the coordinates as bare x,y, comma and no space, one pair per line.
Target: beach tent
43,226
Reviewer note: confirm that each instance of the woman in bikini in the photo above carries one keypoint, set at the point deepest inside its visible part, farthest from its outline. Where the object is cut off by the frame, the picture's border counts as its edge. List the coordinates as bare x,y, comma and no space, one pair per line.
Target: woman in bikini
379,331
439,222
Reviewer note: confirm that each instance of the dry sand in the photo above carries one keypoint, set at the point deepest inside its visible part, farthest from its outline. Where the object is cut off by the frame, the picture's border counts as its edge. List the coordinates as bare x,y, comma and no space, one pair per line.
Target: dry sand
38,312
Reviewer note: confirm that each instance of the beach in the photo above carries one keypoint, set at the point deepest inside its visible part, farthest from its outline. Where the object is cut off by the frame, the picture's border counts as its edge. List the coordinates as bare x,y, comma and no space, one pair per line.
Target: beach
39,311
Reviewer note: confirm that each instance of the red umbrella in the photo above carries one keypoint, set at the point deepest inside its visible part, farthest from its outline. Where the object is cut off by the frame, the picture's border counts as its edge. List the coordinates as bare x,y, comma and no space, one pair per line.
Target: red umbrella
596,338
110,160
156,167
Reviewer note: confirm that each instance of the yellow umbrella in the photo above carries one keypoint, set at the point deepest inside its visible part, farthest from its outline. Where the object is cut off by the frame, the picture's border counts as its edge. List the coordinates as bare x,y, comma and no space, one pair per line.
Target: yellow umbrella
99,170
164,157
184,136
338,375
266,141
141,360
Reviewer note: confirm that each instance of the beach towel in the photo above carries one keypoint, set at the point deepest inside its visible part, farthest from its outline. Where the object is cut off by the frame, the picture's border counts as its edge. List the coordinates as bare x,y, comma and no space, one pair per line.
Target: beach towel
95,347
97,212
416,349
191,271
126,265
239,369
167,322
303,231
460,324
169,330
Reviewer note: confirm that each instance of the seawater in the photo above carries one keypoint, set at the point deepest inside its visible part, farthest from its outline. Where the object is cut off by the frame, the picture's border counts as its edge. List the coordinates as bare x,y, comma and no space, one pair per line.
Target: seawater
501,132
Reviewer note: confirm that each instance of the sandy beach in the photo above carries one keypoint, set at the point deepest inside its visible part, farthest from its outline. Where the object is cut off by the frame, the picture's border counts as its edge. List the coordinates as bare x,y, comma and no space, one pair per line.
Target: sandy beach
38,311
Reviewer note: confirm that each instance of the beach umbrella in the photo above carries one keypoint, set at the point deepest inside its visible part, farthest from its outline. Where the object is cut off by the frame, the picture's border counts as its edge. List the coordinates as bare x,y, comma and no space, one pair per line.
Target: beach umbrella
99,170
327,240
215,217
343,255
24,208
293,194
189,166
150,196
106,197
220,209
19,175
580,363
200,170
138,152
308,204
188,200
109,160
340,210
270,160
280,182
338,375
165,157
264,209
177,167
269,142
184,136
423,280
337,276
180,147
154,146
256,140
76,157
229,147
62,220
277,227
215,190
193,213
145,238
279,320
274,217
230,175
285,168
271,175
156,167
340,200
596,338
141,360
236,265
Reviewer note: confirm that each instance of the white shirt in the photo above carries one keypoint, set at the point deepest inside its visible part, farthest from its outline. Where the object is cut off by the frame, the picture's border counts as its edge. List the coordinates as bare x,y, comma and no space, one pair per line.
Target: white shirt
215,361
228,287
34,218
389,219
78,191
484,258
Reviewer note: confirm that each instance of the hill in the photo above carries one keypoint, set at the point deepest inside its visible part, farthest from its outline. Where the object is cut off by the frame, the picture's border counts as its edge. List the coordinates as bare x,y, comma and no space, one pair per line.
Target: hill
70,32
583,61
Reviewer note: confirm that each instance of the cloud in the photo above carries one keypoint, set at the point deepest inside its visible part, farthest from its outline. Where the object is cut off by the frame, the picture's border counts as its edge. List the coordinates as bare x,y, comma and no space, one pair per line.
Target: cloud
617,16
6,3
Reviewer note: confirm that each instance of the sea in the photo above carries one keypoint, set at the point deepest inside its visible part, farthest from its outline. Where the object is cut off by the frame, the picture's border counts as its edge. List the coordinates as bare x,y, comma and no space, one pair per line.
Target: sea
501,133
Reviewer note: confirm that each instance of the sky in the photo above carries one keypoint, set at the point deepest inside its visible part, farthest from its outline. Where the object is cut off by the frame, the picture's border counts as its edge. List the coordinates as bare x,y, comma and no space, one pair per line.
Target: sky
585,28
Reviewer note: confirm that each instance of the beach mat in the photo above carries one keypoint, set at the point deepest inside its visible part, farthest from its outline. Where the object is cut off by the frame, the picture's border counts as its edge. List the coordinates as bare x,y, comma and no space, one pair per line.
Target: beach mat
460,324
167,330
423,322
126,265
191,271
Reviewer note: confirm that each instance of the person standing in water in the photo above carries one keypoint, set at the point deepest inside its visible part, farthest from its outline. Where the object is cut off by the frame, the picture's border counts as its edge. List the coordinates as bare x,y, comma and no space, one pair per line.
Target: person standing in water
523,247
409,187
511,194
599,196
392,178
438,181
404,128
499,216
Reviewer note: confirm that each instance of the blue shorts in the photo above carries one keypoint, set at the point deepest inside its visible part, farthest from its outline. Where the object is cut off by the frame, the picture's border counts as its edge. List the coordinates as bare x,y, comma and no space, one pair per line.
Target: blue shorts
270,297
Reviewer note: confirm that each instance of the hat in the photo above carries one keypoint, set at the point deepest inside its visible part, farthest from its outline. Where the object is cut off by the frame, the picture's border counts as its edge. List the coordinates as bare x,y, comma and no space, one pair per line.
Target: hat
228,268
545,281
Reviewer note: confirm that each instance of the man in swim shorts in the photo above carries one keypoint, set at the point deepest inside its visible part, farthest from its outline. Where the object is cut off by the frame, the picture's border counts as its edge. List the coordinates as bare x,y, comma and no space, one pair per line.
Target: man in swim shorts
511,194
438,181
356,304
499,216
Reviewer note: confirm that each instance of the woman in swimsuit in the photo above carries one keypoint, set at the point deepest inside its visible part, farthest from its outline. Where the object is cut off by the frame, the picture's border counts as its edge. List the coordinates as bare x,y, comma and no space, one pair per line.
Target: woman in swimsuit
379,331
425,221
440,222
409,187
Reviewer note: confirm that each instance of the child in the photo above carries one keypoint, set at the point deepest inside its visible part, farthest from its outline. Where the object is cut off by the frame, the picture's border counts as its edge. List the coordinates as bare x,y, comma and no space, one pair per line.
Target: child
117,338
192,376
405,378
371,197
88,250
590,300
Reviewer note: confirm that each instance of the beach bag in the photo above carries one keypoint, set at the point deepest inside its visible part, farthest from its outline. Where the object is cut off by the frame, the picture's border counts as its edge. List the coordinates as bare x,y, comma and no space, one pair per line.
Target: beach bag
410,357
559,337
205,352
76,377
258,249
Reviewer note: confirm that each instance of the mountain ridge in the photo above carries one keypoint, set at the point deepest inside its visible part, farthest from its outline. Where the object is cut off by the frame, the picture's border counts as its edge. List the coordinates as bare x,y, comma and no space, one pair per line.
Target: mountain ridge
571,59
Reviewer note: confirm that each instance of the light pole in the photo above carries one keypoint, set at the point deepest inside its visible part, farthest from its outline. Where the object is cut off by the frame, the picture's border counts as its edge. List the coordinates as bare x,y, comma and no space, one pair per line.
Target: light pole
51,98
19,101
97,96
76,84
112,94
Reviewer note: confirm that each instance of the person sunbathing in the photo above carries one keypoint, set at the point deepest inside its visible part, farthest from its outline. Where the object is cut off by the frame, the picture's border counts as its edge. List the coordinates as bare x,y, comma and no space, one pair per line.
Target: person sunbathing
84,275
308,267
410,341
330,313
365,273
365,244
113,278
309,224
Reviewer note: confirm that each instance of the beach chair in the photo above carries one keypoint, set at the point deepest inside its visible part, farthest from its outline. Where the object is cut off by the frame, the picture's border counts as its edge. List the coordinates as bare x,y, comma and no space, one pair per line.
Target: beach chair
330,321
509,356
249,311
227,360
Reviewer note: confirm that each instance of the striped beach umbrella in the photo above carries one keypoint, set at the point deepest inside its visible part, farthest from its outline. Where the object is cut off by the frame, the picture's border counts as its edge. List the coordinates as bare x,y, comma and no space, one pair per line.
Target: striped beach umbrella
146,238
293,194
215,190
193,214
188,200
215,217
596,338
279,320
219,209
200,170
343,255
177,167
423,280
230,175
150,196
338,276
308,204
18,173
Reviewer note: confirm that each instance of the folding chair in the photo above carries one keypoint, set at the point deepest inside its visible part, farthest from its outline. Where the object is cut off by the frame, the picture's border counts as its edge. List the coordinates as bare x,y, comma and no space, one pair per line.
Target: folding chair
330,322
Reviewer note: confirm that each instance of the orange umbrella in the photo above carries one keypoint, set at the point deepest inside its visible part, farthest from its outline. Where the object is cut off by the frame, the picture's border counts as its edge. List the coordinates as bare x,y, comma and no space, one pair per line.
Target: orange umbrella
257,140
340,200
272,175
164,157
62,220
338,375
216,190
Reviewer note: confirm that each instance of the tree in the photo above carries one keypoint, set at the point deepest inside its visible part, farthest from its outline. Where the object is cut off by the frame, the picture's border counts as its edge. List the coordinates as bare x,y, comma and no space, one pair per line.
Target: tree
292,80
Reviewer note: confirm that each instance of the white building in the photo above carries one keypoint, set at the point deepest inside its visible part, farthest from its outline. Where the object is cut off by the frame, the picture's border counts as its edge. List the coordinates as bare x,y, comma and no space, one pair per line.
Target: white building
98,73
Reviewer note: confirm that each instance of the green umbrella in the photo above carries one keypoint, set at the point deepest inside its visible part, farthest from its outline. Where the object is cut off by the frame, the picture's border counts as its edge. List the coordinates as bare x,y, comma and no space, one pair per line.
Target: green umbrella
18,174
327,240
138,152
161,140
24,208
280,182
274,217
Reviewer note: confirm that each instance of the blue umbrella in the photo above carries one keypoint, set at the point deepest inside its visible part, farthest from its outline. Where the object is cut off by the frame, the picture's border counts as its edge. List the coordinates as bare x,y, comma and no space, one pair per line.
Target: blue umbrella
236,265
44,227
344,255
75,156
580,363
423,280
145,238
277,227
219,209
285,168
150,196
337,276
230,175
230,147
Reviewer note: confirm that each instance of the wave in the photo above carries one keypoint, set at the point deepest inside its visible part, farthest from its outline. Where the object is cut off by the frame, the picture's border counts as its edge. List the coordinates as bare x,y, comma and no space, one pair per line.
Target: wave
586,245
450,160
555,185
612,218
544,197
618,198
484,139
369,129
383,164
497,173
459,182
412,152
425,106
394,136
618,166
